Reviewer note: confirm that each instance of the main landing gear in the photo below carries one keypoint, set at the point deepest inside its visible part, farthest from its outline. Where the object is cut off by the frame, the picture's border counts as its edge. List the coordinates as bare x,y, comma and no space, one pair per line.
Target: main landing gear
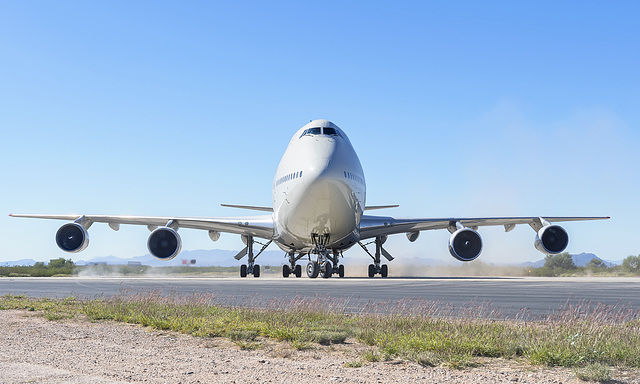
251,267
378,268
292,268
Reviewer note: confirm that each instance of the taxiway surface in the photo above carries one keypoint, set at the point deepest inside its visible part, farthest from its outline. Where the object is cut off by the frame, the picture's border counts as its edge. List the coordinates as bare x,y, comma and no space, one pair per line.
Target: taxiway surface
538,296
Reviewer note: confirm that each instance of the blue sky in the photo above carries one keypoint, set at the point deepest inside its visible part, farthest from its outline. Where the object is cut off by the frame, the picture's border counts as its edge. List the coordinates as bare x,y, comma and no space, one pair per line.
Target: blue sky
456,109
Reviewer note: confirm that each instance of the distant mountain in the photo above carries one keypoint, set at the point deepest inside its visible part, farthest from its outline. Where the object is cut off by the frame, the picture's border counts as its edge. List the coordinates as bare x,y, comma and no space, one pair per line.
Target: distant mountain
533,264
580,260
20,263
583,258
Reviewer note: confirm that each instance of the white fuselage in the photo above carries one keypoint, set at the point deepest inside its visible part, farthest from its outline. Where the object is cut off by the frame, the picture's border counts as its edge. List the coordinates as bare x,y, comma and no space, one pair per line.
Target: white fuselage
318,191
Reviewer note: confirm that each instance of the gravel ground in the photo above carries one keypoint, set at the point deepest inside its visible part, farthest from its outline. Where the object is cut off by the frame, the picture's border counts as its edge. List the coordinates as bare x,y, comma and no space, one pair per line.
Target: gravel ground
34,349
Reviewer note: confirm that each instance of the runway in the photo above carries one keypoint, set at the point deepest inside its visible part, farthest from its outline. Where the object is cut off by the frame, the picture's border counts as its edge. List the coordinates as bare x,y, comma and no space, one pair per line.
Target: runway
539,296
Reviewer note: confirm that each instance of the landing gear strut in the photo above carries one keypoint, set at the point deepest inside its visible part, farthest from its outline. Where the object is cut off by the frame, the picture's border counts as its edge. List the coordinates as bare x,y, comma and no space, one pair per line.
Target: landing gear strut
251,267
377,267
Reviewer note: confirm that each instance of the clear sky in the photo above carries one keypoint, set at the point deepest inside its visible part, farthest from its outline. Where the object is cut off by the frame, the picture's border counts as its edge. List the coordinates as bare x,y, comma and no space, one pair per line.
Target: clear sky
456,109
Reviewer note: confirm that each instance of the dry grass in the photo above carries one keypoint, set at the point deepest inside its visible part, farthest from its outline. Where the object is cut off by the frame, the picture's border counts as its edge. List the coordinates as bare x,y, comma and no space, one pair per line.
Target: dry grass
583,336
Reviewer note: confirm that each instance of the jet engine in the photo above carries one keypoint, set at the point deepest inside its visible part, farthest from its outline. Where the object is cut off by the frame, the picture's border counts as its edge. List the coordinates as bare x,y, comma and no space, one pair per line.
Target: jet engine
72,237
551,239
465,244
164,243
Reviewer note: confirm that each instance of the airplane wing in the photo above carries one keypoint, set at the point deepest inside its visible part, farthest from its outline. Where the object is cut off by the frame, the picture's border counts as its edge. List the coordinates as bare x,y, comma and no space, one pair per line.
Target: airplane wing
373,226
257,226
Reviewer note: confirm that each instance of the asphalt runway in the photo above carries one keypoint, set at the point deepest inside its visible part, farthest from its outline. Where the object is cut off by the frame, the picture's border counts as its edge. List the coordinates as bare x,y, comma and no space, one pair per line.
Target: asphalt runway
538,296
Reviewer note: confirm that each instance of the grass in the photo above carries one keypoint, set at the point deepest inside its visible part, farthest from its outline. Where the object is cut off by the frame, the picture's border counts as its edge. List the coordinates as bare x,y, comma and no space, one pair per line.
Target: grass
587,338
594,372
354,364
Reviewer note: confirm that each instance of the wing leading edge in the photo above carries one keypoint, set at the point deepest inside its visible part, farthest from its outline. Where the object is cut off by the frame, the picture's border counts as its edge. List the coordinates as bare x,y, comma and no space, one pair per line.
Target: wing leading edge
256,226
373,226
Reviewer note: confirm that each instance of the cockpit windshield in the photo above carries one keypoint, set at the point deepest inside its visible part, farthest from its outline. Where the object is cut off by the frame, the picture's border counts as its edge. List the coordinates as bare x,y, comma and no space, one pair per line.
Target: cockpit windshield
321,131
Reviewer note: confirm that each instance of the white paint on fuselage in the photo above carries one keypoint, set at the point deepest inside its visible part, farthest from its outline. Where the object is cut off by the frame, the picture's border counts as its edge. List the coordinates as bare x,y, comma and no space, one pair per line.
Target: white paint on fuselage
319,188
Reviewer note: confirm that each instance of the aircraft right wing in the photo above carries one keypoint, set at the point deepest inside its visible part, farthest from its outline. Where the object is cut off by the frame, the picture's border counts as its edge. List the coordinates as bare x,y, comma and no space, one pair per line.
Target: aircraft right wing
164,241
258,226
372,226
465,244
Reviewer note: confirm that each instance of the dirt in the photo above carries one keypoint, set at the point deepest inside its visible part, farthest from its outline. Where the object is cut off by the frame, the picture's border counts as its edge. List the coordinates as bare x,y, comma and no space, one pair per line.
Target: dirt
36,350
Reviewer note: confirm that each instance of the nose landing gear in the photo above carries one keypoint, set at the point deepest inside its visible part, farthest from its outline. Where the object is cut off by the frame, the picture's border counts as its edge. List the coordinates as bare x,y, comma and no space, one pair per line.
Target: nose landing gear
327,262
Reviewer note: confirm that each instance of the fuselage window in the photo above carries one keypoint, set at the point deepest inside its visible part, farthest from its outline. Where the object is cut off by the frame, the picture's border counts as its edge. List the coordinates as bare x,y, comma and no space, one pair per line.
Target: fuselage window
290,176
354,177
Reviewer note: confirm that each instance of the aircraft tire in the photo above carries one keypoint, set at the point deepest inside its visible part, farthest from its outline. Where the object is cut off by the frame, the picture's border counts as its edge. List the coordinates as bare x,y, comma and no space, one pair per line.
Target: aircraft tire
372,270
298,270
243,270
341,270
313,269
286,270
256,270
328,270
384,270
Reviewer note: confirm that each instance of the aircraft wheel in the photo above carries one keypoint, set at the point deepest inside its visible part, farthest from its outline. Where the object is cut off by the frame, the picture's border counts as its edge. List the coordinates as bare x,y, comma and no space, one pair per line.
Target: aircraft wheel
298,270
384,270
328,270
256,270
341,270
372,270
286,270
243,270
313,269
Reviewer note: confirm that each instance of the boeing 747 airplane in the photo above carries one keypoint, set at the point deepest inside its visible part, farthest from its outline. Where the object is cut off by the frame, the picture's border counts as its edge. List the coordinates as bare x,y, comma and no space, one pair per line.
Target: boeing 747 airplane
318,212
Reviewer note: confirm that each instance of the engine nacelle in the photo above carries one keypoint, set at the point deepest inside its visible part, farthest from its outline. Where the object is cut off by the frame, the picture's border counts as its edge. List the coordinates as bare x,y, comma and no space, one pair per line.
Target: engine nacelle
164,243
72,237
465,244
551,239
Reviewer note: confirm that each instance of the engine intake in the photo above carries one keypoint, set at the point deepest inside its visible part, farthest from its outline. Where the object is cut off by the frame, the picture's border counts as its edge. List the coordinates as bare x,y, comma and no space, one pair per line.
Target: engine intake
72,237
465,244
551,239
164,243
